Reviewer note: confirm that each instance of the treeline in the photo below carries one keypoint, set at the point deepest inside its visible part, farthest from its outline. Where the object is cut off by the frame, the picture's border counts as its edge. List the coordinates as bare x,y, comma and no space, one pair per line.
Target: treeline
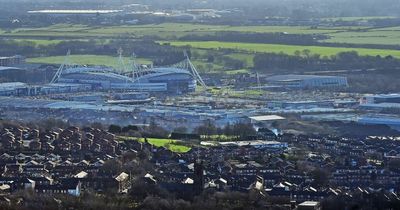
272,38
238,130
305,60
280,38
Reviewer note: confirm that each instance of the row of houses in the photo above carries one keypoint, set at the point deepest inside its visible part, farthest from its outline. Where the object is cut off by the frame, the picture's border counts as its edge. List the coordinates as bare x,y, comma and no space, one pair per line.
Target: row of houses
59,161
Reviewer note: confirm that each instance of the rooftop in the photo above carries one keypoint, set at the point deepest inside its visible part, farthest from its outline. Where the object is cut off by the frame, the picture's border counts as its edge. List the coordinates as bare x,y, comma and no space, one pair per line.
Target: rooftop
6,68
251,143
60,11
291,77
394,95
309,203
267,118
11,85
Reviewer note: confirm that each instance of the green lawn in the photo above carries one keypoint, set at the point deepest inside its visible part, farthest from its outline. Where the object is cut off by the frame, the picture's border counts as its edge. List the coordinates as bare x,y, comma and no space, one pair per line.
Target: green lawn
100,60
286,49
170,144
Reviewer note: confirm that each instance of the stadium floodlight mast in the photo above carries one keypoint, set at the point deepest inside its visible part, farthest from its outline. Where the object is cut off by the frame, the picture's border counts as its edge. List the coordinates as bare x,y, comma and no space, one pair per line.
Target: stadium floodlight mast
66,64
135,70
189,65
121,63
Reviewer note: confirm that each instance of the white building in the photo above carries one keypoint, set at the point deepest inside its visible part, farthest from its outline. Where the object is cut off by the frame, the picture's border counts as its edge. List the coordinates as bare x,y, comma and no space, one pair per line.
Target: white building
307,81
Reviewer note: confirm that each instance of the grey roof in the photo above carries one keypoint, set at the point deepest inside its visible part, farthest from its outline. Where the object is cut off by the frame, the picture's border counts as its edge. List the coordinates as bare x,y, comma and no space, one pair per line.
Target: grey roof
384,96
291,77
7,68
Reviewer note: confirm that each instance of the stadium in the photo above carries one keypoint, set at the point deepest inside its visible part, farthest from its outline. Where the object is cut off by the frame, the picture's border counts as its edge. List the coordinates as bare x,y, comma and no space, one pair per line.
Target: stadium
176,79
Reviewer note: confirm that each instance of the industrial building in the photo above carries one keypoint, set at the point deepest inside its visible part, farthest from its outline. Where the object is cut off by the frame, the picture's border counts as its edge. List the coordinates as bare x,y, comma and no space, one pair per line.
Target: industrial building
22,89
307,81
391,121
13,60
378,99
388,102
257,144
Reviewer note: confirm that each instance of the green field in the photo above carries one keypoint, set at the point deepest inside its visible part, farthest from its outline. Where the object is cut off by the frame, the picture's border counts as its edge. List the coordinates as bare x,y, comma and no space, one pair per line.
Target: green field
286,49
37,42
169,144
358,18
173,145
173,31
373,36
99,60
164,30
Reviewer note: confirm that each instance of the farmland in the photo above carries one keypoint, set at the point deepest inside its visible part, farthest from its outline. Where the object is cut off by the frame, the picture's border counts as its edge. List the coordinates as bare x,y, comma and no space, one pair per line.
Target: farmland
286,49
175,30
85,60
158,29
170,33
173,145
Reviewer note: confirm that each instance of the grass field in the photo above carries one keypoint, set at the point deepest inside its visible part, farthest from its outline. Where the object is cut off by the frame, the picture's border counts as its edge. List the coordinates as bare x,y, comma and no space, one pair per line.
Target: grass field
358,18
100,60
169,144
164,30
379,36
172,31
173,145
286,49
37,42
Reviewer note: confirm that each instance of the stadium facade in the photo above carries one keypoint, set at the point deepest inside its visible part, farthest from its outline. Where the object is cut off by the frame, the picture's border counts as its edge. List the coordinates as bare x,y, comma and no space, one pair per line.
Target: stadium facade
176,79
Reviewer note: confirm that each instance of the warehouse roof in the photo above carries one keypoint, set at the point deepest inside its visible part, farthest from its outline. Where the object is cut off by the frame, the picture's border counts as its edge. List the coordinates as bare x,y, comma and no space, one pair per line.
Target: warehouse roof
394,95
7,68
267,118
11,85
293,77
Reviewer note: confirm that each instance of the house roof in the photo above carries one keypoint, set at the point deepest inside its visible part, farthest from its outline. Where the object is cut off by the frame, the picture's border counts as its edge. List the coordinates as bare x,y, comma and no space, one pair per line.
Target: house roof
123,176
81,175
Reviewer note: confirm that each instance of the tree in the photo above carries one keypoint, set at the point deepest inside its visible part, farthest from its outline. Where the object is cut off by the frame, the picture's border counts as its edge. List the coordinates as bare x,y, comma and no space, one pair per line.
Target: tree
320,177
114,129
243,130
394,165
180,129
129,128
112,167
208,128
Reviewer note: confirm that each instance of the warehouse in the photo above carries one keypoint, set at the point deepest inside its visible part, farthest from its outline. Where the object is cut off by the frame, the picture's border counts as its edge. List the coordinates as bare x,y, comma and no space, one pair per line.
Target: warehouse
378,99
307,81
13,60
